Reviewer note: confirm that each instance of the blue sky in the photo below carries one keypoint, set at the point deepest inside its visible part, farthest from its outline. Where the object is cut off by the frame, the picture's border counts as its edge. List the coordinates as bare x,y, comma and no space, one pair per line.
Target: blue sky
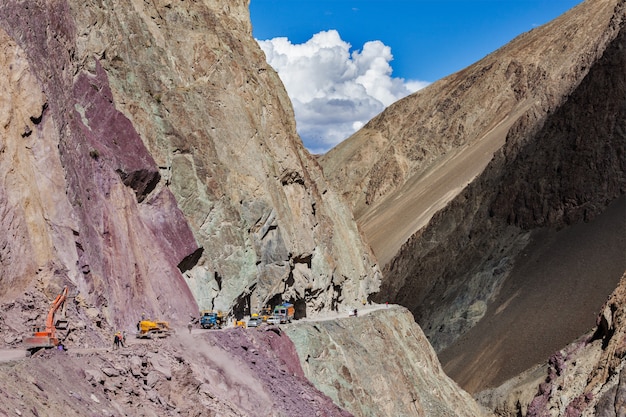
373,52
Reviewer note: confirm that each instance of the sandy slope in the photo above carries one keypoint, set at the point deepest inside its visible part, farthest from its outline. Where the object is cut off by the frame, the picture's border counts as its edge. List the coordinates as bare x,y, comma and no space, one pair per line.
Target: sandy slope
551,298
412,206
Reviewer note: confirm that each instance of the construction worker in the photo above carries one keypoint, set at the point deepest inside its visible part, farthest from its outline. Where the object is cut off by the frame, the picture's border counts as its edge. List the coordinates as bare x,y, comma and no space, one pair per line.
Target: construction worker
116,341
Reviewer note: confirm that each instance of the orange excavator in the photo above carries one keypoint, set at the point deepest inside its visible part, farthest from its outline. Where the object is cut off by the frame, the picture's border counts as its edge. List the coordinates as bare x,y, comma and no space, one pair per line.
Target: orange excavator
48,338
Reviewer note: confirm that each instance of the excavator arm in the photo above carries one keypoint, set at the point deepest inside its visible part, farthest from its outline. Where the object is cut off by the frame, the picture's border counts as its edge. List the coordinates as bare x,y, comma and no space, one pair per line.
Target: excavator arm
56,304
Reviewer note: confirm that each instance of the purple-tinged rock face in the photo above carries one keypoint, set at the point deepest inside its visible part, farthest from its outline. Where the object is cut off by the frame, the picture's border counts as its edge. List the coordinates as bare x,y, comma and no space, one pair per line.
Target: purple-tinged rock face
123,236
111,135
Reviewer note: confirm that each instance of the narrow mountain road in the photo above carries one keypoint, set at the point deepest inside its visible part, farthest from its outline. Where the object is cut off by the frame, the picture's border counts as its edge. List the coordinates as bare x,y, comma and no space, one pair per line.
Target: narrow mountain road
17,354
9,355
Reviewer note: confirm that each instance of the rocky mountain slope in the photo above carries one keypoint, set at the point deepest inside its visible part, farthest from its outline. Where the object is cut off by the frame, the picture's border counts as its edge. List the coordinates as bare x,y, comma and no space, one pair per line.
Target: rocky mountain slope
268,371
230,373
149,162
451,184
584,378
148,150
551,298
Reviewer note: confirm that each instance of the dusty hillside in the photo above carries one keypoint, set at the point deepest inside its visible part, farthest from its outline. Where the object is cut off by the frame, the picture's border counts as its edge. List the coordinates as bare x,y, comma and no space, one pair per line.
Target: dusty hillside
551,298
530,137
464,118
584,378
232,373
149,161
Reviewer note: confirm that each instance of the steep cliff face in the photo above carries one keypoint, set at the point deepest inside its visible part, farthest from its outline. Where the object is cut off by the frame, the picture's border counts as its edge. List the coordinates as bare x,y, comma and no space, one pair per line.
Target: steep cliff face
79,197
530,137
150,163
148,150
221,129
379,364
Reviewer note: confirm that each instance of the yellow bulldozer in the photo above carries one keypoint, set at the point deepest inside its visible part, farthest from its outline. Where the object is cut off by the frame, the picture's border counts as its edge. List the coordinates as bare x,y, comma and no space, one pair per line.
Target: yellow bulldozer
152,329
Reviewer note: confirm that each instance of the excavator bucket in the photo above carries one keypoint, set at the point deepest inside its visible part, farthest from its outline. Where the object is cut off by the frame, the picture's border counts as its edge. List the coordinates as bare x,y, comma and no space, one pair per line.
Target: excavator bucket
61,324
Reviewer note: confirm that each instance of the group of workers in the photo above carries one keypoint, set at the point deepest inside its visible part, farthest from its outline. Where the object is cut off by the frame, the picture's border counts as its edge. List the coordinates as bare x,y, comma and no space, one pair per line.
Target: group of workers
119,340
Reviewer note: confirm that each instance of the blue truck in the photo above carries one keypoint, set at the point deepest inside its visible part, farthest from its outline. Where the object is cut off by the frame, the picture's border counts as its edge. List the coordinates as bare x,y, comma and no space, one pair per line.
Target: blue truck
211,319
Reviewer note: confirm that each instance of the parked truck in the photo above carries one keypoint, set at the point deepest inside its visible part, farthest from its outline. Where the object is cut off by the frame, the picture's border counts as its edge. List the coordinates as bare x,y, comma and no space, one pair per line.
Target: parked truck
284,312
211,319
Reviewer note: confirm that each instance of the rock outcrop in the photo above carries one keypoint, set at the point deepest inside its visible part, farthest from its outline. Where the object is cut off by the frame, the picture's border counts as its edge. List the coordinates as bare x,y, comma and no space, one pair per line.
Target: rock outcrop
233,373
379,364
79,201
150,161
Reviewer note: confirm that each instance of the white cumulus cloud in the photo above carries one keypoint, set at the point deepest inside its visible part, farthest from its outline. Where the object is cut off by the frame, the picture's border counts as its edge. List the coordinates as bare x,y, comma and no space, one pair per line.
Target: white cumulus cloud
334,91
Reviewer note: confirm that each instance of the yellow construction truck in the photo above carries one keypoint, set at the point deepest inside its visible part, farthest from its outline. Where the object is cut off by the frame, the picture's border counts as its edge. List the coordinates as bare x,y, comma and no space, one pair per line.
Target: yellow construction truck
266,313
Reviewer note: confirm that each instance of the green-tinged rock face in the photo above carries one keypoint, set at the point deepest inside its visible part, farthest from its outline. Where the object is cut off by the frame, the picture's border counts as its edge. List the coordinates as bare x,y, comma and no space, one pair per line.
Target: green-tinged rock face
378,364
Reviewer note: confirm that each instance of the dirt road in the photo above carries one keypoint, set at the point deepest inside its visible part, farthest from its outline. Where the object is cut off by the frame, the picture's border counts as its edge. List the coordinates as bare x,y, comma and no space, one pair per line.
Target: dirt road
8,355
362,310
